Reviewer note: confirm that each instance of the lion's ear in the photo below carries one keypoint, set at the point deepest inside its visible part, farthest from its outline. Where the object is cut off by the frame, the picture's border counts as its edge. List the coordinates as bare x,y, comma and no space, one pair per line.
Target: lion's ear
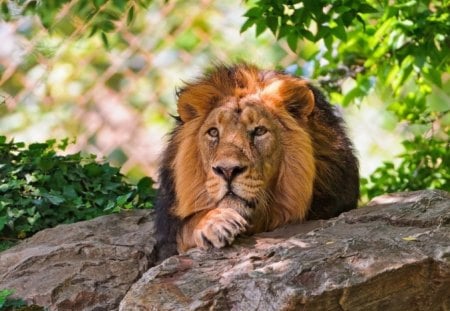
291,94
186,112
196,100
189,106
298,98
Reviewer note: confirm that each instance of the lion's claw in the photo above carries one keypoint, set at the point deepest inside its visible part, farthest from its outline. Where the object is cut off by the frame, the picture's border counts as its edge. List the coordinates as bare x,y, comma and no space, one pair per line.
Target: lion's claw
219,228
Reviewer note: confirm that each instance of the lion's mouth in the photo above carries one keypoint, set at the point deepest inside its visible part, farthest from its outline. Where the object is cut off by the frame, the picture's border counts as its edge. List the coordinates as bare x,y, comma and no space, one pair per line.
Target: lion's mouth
230,195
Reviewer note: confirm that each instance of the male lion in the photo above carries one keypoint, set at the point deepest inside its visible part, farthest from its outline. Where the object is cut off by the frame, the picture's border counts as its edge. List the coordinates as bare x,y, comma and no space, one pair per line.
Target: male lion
252,150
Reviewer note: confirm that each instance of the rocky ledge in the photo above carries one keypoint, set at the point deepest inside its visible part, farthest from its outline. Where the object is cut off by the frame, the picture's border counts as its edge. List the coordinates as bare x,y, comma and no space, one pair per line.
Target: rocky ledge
393,254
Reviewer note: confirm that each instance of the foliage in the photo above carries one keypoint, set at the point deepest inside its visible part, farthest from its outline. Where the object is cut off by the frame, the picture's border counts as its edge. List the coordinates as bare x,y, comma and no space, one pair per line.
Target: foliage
98,16
8,303
424,164
65,84
399,48
40,189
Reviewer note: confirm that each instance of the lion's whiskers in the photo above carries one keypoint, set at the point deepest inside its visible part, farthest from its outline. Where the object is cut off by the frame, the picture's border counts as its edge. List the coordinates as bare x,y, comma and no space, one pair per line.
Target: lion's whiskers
200,199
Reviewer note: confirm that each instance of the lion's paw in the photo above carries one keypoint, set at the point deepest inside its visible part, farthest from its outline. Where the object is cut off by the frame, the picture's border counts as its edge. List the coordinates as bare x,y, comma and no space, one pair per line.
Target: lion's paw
218,228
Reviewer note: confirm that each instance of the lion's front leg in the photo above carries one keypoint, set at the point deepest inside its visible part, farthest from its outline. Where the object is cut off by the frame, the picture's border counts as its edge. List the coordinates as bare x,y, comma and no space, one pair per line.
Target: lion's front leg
211,228
218,228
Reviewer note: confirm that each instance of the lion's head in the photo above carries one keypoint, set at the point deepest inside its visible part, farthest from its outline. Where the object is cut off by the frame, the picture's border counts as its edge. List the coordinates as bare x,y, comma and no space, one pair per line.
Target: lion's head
243,144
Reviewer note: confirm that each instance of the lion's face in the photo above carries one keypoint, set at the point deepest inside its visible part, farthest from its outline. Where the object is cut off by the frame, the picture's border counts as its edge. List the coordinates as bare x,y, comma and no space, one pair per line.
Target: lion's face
240,152
242,144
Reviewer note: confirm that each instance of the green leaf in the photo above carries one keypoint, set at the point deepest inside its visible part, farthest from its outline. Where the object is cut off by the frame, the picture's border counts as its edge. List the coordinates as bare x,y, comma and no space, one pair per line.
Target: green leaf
306,34
405,4
272,23
339,32
93,170
254,12
54,198
98,3
106,26
361,20
130,15
260,27
3,222
322,32
105,39
93,31
405,71
351,96
292,40
342,9
145,184
121,200
433,75
5,10
367,8
120,4
46,163
4,187
62,145
248,23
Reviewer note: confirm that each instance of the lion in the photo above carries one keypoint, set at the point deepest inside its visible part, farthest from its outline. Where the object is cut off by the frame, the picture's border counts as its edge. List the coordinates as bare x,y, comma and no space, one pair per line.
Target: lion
252,150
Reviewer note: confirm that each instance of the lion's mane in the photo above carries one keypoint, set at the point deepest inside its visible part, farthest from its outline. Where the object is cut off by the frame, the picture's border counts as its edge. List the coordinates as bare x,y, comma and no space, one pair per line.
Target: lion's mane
318,173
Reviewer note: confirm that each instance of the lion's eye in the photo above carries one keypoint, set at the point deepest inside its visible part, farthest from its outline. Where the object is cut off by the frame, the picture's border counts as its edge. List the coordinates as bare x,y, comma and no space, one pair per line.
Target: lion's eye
260,131
213,132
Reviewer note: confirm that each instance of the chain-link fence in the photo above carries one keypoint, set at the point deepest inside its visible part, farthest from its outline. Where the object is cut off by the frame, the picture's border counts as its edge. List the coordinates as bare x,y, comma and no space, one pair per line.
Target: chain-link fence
115,99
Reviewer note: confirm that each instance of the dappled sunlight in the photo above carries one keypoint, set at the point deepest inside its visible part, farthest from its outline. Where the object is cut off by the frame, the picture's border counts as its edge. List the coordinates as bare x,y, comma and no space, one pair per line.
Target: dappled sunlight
373,265
393,198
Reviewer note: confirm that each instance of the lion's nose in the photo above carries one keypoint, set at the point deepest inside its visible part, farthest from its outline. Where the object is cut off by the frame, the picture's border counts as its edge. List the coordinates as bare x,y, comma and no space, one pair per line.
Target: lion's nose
228,172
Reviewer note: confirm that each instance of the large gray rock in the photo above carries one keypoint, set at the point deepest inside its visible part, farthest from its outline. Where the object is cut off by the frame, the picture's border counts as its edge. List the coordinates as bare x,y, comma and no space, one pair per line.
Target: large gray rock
89,265
391,255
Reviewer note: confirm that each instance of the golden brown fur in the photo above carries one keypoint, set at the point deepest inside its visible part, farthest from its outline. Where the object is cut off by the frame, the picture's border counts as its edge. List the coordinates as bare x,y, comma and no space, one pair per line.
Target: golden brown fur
252,151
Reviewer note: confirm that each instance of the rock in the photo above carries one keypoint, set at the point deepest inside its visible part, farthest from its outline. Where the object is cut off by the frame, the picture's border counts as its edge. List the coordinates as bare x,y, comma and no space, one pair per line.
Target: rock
89,265
391,255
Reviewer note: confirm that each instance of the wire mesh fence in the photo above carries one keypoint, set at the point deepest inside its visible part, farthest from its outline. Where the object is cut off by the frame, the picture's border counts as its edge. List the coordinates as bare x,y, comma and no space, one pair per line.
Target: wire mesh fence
114,97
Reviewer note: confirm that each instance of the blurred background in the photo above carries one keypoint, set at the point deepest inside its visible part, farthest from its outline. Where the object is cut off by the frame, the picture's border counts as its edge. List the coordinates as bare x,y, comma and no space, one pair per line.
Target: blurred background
113,94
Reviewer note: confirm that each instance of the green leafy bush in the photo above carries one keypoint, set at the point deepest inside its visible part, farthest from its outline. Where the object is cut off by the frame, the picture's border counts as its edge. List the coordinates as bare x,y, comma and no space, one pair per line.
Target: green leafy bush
6,303
40,189
424,165
398,49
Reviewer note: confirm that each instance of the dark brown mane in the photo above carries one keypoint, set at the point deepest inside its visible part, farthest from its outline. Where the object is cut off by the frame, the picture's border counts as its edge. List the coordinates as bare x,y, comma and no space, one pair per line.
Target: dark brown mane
318,175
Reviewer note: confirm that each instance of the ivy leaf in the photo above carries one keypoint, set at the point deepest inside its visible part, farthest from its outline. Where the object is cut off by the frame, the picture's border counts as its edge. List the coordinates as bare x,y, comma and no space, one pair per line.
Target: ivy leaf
121,200
41,189
55,199
3,222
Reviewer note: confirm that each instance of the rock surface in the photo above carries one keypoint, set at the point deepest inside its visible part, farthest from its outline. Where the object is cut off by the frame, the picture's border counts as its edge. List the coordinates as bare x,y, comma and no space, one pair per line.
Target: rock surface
89,265
392,255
